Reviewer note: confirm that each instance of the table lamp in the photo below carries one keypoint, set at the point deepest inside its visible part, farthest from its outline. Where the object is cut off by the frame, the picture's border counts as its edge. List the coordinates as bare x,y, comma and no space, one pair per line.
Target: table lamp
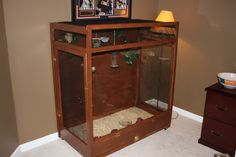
164,16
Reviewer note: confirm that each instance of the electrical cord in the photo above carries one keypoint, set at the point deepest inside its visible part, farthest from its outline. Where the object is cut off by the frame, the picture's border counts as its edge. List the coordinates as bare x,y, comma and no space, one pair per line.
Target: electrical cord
175,116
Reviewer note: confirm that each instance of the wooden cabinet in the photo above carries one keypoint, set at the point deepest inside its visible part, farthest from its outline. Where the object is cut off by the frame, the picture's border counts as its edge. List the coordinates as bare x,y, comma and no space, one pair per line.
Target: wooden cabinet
113,81
219,123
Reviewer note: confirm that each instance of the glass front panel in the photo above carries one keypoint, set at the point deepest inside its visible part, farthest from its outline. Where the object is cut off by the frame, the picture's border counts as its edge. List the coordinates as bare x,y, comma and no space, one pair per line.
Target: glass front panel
155,76
70,38
71,69
115,86
123,80
114,81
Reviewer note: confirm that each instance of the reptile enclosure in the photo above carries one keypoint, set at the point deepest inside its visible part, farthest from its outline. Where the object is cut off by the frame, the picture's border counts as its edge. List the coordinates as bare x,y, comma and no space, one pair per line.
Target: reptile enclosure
113,80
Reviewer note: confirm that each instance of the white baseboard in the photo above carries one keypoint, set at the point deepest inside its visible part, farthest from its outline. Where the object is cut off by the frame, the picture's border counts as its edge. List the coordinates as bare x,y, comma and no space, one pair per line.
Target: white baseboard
38,142
35,143
16,153
163,105
188,114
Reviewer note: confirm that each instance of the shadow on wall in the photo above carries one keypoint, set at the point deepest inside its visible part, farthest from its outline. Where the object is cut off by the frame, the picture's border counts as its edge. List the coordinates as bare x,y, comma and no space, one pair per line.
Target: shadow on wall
206,47
8,127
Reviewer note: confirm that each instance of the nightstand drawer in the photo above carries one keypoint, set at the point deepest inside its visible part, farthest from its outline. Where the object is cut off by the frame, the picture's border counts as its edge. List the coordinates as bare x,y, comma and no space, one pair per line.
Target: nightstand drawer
221,107
218,134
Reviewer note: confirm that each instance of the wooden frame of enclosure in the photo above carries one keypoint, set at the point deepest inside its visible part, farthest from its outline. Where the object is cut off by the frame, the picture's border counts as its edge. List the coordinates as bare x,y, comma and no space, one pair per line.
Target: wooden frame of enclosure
117,140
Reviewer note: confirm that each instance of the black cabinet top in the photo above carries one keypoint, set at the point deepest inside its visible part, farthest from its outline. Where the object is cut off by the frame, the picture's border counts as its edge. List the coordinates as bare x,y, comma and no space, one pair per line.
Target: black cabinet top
107,21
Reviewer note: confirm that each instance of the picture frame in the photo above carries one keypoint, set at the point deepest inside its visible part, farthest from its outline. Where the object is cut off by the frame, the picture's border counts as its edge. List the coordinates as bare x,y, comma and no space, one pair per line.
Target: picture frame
100,9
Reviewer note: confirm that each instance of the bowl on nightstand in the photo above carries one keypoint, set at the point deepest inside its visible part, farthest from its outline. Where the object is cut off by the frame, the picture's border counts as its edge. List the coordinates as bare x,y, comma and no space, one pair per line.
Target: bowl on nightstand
228,80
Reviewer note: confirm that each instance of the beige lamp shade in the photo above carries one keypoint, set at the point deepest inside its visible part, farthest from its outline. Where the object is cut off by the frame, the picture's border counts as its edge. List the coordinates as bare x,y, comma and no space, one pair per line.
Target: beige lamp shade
165,16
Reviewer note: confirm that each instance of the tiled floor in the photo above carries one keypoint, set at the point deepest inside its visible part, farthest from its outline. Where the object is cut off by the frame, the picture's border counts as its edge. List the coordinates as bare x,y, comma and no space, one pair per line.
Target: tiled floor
180,140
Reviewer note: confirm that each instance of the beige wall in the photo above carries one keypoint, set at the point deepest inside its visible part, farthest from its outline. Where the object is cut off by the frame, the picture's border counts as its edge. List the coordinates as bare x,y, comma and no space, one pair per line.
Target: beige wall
8,131
206,47
144,9
27,27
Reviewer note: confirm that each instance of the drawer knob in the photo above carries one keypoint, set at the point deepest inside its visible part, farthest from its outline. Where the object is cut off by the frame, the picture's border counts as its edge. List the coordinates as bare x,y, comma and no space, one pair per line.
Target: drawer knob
216,134
221,108
117,134
136,138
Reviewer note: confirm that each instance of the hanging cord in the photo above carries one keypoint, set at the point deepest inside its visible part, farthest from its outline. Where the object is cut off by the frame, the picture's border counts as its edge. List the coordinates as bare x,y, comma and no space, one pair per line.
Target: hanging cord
159,78
175,115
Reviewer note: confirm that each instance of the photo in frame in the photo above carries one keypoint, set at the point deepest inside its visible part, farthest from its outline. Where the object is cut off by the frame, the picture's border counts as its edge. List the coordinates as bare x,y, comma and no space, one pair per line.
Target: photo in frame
104,7
86,7
89,9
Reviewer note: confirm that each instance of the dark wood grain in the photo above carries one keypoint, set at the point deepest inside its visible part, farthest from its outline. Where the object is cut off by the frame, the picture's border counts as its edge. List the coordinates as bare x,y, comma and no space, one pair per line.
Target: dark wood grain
124,137
219,123
113,88
220,88
218,136
221,107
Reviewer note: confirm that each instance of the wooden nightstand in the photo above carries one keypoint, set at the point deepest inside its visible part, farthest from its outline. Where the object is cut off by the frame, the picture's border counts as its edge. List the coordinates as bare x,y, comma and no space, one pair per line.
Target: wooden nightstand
219,123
